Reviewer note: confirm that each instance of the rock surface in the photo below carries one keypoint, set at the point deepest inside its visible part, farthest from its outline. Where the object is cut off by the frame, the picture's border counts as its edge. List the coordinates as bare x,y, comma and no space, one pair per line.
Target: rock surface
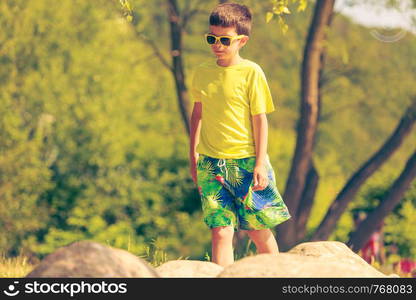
314,259
330,250
324,248
189,268
90,259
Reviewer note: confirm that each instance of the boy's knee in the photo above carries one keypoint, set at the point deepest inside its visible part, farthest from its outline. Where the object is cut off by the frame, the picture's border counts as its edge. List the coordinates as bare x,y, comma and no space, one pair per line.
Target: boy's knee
259,234
223,232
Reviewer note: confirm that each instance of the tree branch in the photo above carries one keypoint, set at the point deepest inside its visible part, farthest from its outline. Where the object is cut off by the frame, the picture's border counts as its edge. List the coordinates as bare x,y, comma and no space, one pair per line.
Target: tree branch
387,204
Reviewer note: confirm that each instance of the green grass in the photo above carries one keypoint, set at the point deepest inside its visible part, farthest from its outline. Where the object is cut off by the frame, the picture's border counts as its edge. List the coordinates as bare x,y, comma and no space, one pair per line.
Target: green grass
389,269
15,266
155,256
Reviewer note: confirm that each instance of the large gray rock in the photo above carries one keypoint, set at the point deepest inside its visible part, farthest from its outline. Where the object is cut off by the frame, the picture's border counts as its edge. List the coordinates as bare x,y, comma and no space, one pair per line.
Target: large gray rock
92,260
322,248
315,259
189,268
329,249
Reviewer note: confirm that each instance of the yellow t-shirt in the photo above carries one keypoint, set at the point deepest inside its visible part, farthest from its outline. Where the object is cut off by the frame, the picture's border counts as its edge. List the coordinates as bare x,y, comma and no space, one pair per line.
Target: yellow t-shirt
230,96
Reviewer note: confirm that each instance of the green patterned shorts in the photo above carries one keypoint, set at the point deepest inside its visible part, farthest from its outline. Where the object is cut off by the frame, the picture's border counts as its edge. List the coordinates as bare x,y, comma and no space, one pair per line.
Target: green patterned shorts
225,187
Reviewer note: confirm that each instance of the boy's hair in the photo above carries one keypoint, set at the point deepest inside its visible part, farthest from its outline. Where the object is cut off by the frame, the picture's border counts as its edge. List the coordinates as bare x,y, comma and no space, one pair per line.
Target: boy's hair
232,14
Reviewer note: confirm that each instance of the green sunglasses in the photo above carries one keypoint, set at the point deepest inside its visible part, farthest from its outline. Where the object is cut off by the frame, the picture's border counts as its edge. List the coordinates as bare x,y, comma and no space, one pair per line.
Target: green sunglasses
226,40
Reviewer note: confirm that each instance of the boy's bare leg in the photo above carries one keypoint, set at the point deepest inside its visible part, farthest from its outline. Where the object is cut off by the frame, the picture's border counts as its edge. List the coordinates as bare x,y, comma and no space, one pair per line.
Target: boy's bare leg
264,241
222,245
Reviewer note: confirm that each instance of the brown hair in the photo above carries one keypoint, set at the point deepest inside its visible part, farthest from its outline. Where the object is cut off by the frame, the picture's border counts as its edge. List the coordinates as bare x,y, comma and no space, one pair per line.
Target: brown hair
232,14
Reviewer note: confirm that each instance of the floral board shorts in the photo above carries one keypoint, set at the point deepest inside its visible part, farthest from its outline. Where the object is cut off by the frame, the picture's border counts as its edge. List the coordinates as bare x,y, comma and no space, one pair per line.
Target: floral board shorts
225,187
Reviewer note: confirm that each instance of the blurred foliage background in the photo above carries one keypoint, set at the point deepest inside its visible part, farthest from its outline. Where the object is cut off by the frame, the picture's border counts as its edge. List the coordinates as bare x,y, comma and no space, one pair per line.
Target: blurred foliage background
92,145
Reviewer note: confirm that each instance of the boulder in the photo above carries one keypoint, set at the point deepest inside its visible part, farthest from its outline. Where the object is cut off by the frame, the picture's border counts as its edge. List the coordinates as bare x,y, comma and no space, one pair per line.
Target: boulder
329,249
92,260
314,259
189,268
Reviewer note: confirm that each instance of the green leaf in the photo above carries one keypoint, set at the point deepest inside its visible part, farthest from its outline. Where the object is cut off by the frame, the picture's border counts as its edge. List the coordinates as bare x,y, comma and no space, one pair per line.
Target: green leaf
128,6
269,16
302,5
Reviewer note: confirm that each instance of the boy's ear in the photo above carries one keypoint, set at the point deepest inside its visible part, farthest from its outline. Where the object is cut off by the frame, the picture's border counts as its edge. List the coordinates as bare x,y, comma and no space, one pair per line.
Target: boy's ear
244,40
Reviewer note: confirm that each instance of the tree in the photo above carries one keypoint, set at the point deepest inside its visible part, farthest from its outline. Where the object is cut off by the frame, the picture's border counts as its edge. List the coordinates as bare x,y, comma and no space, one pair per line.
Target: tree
90,148
361,235
308,120
349,191
178,21
299,193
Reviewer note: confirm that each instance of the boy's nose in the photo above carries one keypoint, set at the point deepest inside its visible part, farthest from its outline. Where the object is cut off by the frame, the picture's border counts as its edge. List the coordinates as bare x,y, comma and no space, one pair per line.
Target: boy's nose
217,46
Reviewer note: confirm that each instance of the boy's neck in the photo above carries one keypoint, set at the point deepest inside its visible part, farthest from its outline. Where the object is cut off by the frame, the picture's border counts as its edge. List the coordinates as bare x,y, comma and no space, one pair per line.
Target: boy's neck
236,59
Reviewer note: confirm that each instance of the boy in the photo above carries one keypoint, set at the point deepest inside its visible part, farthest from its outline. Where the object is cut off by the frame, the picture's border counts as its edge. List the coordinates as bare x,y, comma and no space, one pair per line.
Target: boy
228,145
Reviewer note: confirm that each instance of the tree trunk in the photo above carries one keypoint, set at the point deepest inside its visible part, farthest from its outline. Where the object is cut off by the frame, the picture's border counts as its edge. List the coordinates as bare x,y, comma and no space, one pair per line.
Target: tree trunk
176,53
357,180
393,197
308,195
308,120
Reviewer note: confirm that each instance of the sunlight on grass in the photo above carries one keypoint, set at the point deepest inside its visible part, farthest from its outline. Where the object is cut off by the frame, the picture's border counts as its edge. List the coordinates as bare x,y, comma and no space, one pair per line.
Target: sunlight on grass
156,256
14,267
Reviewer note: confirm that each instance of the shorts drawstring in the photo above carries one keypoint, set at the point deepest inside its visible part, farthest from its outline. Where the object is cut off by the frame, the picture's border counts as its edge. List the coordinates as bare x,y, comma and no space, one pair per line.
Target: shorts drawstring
220,164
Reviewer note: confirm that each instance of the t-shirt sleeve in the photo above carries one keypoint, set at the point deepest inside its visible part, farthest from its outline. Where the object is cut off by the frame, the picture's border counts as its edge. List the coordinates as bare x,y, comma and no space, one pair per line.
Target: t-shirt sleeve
195,92
259,95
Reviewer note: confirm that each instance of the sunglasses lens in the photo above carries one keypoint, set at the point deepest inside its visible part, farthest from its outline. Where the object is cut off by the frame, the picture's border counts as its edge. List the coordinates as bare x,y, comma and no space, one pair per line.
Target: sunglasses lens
210,39
225,41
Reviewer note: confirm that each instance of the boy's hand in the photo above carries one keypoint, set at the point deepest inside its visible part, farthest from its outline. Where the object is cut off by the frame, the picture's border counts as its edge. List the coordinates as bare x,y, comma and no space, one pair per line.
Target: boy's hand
260,180
193,158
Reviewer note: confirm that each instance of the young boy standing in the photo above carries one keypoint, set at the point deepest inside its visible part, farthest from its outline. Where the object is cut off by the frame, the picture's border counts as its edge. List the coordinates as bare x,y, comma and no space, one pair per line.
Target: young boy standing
228,145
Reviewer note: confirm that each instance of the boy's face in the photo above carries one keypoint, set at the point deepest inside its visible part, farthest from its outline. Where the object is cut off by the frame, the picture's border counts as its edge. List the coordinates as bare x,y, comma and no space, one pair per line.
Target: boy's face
226,52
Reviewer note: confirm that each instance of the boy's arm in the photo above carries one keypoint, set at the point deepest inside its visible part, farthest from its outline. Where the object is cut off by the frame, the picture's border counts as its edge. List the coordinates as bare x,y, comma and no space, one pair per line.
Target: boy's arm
260,131
195,128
